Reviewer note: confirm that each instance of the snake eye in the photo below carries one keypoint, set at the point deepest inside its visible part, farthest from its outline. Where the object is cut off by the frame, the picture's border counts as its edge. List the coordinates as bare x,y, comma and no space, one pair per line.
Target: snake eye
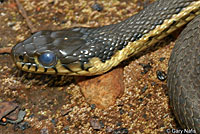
47,59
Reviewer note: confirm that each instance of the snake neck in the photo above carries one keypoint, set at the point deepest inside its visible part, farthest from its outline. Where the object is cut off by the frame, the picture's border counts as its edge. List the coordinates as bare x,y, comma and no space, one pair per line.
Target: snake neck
140,31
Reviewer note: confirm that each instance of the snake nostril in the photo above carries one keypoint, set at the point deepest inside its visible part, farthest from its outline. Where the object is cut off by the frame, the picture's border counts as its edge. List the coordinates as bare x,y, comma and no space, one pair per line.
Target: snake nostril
21,58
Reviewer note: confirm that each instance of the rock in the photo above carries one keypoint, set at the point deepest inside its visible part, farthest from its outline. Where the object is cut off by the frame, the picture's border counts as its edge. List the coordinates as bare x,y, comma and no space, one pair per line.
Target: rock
96,124
6,108
102,90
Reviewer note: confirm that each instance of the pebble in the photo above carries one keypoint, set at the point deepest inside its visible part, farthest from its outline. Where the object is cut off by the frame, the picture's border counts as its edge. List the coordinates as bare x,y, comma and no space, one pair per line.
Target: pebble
161,75
44,131
144,88
97,7
93,106
146,67
109,129
96,124
66,128
22,126
120,131
162,59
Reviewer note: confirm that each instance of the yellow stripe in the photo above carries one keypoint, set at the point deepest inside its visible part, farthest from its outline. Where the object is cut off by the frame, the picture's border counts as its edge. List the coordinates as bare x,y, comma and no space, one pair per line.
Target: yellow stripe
133,48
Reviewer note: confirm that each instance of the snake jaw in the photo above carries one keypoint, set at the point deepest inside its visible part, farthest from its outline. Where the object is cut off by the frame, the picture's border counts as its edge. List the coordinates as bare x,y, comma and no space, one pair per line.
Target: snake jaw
21,59
27,54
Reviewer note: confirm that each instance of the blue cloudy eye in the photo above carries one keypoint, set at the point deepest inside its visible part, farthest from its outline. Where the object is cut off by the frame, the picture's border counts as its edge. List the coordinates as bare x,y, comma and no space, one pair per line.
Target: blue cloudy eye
47,59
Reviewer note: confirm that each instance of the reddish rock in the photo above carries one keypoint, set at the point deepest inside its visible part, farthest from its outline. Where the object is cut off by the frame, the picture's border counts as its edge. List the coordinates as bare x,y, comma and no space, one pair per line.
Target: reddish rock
6,108
104,89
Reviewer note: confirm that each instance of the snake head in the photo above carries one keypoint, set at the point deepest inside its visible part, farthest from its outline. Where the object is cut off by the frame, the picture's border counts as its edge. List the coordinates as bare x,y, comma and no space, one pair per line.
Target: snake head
52,52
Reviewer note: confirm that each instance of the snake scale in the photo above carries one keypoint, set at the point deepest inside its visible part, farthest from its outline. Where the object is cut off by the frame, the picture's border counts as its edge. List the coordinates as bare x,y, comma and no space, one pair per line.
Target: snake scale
93,51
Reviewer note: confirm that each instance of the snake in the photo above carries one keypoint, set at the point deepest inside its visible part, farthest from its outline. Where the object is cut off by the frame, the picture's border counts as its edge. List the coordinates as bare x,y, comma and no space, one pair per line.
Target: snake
87,51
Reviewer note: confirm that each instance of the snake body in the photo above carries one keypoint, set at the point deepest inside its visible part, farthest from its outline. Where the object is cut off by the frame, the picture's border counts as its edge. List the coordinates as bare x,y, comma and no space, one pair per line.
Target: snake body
184,76
93,51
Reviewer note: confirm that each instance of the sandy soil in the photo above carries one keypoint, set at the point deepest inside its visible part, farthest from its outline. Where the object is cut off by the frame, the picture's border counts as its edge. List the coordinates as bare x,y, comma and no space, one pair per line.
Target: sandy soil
54,104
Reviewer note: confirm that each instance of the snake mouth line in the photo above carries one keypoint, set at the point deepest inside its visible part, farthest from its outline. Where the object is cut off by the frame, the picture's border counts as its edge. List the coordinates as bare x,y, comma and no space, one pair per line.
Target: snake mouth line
58,69
30,67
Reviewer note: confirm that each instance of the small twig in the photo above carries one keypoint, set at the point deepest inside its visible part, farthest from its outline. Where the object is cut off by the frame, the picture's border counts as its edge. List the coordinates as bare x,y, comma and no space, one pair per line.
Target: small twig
24,14
6,50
